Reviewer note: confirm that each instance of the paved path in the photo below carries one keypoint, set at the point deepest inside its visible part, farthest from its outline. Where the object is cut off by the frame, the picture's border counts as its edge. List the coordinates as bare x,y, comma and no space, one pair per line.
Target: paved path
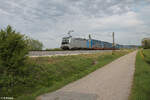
112,82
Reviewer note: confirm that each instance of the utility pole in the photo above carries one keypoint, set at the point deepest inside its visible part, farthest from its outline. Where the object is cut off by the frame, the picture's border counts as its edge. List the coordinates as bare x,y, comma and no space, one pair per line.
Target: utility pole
113,35
90,45
113,45
90,36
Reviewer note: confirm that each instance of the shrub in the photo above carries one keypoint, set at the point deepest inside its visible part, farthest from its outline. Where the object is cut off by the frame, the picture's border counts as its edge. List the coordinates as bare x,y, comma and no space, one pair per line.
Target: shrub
34,44
13,51
146,43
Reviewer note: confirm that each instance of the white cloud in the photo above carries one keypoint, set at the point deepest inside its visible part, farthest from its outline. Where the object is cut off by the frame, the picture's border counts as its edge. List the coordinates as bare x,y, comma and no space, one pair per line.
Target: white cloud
49,21
4,12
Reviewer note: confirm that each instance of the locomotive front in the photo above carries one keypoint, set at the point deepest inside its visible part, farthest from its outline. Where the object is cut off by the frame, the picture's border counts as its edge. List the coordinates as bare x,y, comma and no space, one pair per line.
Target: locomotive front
65,44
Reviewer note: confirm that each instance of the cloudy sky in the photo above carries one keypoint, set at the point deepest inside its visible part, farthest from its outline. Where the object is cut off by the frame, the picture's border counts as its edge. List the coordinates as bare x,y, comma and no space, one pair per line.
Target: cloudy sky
50,20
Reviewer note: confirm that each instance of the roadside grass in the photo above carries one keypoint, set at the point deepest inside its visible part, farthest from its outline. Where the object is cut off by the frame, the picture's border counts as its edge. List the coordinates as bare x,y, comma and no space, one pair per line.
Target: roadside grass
48,74
141,84
146,53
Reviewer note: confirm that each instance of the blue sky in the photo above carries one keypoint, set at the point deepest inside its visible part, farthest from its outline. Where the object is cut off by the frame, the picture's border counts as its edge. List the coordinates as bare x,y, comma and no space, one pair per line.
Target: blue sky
50,20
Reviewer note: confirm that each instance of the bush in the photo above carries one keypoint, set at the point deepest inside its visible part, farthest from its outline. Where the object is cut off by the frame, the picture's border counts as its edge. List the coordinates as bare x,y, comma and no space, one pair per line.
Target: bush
146,43
35,44
13,51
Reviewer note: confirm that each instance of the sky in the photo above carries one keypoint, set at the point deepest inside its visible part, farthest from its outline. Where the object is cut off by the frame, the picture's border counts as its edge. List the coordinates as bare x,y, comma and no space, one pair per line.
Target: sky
50,20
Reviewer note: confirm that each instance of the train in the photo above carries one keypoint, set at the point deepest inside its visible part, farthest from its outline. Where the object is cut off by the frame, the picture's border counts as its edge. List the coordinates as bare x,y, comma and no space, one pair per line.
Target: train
70,43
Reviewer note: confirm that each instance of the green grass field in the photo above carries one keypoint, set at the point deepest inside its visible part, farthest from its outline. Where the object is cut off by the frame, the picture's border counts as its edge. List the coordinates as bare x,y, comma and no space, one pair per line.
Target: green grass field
51,73
141,83
146,54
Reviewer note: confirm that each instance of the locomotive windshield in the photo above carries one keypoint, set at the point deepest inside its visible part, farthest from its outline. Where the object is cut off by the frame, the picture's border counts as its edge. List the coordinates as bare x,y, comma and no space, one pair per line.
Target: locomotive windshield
65,40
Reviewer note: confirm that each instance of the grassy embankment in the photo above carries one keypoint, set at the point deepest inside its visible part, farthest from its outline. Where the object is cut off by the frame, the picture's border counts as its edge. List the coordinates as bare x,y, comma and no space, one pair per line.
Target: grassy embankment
50,73
141,83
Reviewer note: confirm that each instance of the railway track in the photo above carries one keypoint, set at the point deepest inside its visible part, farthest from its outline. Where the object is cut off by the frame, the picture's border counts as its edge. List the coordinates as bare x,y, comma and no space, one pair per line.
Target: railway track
63,53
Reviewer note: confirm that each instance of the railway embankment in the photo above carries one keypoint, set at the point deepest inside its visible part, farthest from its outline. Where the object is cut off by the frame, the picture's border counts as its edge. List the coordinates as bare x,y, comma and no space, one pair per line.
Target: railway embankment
141,82
64,53
48,74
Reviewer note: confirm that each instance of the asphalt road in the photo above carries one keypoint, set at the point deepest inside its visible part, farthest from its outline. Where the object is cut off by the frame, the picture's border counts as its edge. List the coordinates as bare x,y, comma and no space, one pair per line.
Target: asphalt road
56,53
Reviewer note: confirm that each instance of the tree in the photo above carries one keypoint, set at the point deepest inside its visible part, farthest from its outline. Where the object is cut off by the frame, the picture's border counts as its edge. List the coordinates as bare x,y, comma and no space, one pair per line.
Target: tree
35,44
13,54
146,43
13,49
